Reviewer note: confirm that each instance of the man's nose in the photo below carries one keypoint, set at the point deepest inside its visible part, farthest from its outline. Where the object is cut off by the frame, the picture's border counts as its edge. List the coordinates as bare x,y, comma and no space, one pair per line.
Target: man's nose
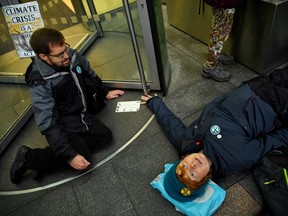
193,165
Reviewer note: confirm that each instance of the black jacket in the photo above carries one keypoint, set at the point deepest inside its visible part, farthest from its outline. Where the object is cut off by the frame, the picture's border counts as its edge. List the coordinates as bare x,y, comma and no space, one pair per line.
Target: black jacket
235,130
61,100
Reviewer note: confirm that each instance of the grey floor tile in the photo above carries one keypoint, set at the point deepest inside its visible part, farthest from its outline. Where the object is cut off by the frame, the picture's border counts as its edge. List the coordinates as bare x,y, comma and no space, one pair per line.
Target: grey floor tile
238,202
250,186
57,202
13,204
102,193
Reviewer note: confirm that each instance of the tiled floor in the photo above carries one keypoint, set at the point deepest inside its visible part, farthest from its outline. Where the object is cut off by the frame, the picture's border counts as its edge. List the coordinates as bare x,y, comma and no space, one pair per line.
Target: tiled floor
119,181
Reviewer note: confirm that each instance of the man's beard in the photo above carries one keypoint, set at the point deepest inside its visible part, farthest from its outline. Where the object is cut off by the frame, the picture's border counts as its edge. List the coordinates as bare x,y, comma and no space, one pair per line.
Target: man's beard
59,66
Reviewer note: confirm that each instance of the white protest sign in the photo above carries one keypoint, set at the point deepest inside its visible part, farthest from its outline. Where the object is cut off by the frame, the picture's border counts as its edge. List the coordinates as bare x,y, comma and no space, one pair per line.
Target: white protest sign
22,20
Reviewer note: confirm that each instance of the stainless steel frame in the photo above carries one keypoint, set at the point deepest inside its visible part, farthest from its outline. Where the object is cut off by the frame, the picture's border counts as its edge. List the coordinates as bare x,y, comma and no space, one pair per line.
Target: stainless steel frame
135,46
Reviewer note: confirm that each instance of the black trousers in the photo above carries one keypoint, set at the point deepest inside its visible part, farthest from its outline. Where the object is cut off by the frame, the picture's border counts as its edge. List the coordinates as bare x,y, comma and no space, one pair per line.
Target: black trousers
43,159
273,89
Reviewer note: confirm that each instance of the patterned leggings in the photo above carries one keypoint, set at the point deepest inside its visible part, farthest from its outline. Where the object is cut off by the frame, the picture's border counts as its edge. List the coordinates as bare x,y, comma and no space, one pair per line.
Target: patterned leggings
219,33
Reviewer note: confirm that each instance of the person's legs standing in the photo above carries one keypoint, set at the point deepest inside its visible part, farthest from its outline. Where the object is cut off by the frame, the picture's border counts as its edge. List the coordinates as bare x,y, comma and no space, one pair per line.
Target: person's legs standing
219,33
220,30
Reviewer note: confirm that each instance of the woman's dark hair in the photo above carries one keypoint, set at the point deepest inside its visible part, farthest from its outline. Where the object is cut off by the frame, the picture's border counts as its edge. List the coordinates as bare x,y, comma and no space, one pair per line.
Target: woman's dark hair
42,38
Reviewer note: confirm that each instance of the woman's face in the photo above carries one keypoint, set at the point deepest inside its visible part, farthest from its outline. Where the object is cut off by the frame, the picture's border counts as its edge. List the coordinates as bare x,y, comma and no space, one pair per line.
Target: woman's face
196,165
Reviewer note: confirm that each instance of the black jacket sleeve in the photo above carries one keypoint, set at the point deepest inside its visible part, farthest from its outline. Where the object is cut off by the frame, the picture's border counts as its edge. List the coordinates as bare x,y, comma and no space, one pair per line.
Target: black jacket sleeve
173,127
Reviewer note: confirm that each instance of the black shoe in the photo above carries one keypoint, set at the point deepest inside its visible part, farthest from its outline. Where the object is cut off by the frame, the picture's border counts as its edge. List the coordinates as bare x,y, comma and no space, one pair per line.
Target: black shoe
19,165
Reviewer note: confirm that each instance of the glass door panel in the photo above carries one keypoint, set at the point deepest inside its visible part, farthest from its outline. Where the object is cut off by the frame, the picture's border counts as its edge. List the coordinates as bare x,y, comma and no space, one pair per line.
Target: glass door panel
113,55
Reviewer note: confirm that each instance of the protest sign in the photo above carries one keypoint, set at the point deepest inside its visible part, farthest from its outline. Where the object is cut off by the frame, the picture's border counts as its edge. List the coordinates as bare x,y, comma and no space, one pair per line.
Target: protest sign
22,20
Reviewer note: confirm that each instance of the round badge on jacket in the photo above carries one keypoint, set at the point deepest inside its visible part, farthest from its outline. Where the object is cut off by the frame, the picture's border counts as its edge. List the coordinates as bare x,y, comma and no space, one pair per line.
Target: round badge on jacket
78,69
215,130
185,191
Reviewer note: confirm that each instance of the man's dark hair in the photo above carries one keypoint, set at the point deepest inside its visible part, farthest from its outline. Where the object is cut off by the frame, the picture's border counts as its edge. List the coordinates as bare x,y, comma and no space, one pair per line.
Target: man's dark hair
42,38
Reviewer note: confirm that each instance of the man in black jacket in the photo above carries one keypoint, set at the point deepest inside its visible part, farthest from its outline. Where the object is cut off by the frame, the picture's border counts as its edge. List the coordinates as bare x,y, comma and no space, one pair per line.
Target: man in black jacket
65,94
233,132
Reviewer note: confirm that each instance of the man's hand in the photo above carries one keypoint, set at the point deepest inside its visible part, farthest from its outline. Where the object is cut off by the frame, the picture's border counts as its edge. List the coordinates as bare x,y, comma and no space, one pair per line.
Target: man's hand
145,98
114,94
79,162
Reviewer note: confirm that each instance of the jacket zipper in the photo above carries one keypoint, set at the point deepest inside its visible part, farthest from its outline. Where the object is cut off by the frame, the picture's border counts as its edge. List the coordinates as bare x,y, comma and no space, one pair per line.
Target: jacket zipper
74,76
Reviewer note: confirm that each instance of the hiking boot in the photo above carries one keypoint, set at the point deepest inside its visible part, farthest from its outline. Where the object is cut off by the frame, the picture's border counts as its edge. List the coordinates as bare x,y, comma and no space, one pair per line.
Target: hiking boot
216,74
226,59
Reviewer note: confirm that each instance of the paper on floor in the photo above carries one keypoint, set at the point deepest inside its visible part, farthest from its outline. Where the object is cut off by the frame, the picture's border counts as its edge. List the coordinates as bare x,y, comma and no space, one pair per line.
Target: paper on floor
128,106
